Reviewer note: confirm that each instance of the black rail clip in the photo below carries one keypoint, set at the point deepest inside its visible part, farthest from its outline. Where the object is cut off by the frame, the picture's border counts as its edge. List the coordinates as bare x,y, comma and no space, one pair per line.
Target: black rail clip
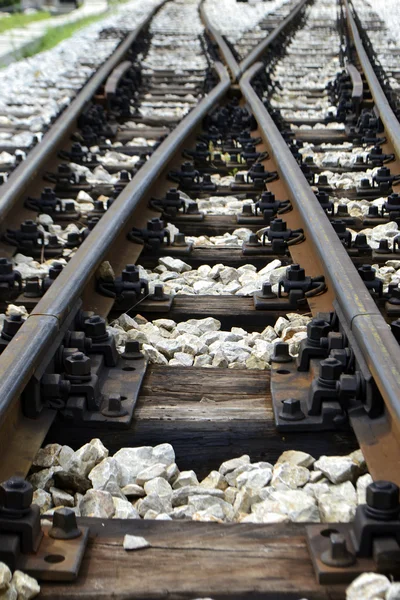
46,552
371,543
83,377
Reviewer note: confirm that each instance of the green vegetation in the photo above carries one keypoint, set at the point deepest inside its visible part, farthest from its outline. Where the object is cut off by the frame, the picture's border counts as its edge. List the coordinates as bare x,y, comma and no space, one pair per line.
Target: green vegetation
20,20
54,36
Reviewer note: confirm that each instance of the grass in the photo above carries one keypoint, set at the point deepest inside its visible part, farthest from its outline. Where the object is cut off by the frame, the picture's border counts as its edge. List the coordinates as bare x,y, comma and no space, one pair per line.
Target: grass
54,36
20,20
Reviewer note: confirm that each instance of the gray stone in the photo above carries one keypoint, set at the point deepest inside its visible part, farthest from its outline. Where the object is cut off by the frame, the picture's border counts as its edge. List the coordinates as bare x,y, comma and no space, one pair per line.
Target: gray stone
368,586
163,517
5,577
233,475
108,470
265,517
185,478
256,363
64,456
183,512
213,514
160,504
43,500
242,502
174,264
358,457
394,592
97,503
44,479
70,482
169,347
254,480
167,324
214,480
11,593
334,509
230,465
164,453
159,486
84,459
362,483
61,498
337,468
47,457
132,490
297,505
219,361
154,355
132,461
181,359
172,472
135,542
287,476
317,489
202,502
26,587
230,494
124,510
203,360
151,472
296,458
181,495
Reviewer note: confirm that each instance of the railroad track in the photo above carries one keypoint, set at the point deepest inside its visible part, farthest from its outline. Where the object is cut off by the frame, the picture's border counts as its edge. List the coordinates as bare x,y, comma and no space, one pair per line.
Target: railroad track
199,269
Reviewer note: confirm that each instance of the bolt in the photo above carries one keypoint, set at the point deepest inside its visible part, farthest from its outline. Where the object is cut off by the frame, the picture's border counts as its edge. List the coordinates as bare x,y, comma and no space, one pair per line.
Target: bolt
316,329
330,370
179,239
95,327
192,208
383,501
342,210
114,407
281,353
16,495
5,266
291,410
338,554
253,240
64,525
158,292
366,272
295,273
247,209
11,325
384,247
266,291
132,350
78,364
32,288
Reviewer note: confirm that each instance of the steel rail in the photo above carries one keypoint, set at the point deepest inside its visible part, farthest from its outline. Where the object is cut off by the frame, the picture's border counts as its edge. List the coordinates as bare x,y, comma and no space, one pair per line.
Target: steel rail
388,118
226,52
259,50
378,345
22,355
19,180
237,69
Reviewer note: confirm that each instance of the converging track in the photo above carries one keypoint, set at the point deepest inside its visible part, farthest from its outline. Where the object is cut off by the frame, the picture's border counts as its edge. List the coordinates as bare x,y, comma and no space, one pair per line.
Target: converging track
199,270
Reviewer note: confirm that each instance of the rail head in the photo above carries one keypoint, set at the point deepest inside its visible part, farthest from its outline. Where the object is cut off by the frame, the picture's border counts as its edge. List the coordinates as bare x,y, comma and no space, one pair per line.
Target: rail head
19,181
23,354
378,345
387,116
226,52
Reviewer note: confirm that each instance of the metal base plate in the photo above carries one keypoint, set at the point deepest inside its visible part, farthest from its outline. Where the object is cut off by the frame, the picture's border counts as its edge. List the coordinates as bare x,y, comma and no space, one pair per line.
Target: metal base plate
288,382
55,560
318,541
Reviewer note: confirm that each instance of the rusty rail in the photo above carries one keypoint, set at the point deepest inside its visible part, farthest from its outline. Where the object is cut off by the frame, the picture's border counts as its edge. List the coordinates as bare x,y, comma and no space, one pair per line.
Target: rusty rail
376,342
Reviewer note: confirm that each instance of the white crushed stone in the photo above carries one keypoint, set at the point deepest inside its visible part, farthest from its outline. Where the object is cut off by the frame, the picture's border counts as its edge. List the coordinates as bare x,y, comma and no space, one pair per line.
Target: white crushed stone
148,484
